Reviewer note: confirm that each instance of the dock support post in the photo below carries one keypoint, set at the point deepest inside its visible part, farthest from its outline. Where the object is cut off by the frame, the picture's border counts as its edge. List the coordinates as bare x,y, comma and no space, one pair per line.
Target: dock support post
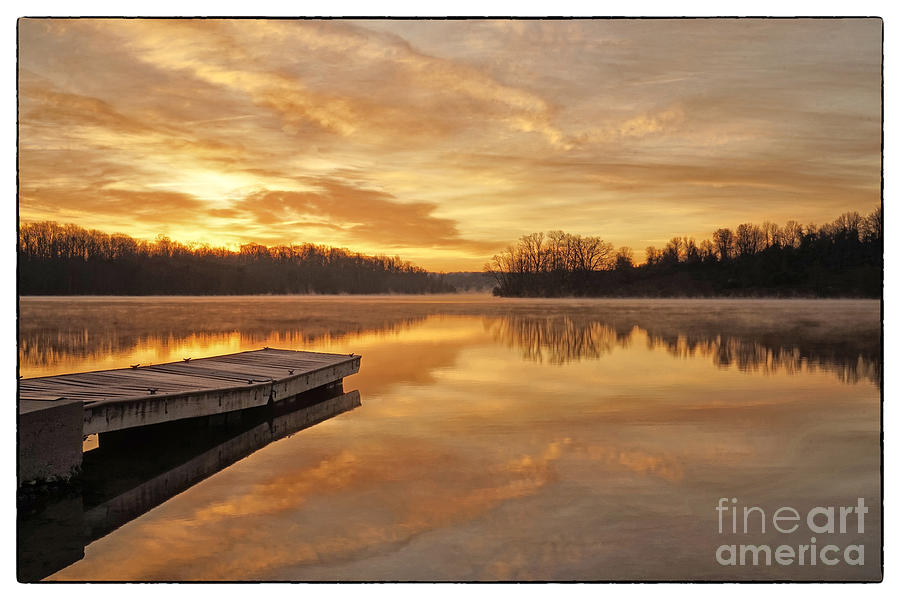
50,439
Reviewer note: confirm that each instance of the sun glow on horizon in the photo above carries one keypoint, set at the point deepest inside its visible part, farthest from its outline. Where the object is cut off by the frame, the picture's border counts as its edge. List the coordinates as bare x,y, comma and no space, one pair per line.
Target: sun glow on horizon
445,141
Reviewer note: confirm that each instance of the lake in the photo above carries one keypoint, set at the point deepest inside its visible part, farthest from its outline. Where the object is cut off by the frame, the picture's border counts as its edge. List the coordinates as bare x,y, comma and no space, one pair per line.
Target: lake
496,439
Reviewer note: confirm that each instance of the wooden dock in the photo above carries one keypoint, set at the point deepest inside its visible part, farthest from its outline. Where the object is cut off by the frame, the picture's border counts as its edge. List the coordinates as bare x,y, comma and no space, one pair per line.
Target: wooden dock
120,399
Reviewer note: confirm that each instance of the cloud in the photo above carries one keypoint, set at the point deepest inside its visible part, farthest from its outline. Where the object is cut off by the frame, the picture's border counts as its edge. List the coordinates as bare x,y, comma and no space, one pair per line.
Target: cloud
371,217
448,139
135,206
48,107
270,63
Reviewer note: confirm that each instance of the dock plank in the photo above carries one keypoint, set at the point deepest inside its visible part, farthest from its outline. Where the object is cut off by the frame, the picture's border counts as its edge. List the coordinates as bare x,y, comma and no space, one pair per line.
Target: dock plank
121,398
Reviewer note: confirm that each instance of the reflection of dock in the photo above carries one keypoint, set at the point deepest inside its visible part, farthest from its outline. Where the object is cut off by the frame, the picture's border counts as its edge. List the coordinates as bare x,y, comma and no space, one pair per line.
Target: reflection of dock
135,471
131,503
50,432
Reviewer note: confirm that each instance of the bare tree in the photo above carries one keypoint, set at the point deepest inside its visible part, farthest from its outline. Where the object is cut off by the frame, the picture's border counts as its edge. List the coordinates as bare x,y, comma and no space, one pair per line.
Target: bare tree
624,258
707,251
748,239
791,234
724,243
872,226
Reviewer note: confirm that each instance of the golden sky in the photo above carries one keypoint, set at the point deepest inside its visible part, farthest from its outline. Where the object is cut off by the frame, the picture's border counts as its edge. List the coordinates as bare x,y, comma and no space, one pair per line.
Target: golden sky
443,141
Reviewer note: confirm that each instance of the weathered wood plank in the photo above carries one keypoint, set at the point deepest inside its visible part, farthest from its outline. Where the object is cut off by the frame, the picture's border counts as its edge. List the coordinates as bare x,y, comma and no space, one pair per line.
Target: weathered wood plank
122,398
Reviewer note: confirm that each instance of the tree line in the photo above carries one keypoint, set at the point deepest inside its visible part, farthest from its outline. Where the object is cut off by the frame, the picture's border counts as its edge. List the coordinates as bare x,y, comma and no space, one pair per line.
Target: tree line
841,258
68,259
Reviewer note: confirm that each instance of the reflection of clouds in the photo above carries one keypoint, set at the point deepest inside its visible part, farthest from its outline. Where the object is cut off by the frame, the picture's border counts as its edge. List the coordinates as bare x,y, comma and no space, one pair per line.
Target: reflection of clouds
637,461
380,472
469,462
300,516
287,491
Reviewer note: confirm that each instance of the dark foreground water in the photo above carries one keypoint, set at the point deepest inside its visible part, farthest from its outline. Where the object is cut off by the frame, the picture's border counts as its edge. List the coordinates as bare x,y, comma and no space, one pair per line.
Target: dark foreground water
483,439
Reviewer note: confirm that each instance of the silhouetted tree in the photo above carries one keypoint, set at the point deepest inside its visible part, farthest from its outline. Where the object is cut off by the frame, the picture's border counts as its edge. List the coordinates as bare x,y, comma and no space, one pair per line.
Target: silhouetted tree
724,243
624,259
844,257
67,259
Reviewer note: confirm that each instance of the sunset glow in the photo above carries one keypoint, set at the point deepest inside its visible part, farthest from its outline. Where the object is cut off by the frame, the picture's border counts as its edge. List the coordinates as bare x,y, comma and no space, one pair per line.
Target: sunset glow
444,141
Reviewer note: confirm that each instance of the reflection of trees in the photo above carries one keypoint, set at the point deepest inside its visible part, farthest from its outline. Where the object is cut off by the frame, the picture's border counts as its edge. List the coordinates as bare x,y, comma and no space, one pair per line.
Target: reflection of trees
787,336
562,339
749,355
45,348
556,340
53,332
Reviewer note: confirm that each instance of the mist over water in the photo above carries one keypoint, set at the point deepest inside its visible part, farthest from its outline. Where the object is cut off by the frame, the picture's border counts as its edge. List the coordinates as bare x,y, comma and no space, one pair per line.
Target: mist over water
503,439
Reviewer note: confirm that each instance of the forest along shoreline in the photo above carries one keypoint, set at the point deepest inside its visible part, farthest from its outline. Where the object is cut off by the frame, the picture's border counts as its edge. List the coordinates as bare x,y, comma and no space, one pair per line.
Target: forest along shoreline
842,259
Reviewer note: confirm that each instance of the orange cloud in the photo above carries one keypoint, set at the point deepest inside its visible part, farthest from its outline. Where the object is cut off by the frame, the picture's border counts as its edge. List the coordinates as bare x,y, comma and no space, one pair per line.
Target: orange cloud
370,217
448,139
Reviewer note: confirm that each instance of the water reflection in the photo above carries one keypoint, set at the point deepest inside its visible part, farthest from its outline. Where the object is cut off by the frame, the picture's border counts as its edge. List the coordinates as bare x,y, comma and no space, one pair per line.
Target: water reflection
512,440
558,340
135,470
763,336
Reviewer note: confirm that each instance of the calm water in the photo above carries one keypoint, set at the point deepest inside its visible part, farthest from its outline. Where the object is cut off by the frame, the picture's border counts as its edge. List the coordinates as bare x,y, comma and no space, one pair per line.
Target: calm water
490,439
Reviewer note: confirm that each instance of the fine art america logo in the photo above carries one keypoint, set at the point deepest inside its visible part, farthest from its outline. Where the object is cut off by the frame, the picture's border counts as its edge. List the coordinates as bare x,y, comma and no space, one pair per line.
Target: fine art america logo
819,520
